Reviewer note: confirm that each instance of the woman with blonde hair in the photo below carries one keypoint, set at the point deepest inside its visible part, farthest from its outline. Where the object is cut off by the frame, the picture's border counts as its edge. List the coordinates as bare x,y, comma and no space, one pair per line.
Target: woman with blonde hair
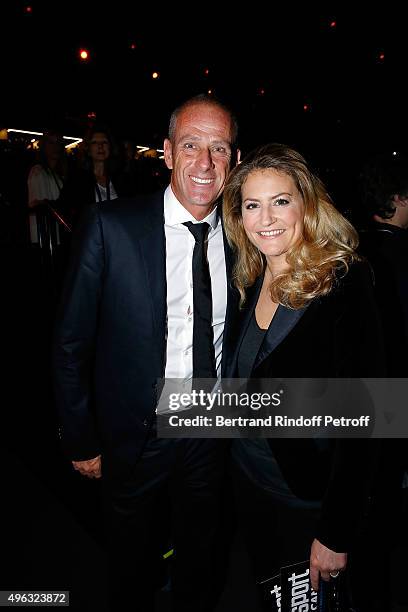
307,311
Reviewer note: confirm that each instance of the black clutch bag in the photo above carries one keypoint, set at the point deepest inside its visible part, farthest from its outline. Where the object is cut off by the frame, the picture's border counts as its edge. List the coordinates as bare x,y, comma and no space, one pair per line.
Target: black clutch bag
290,591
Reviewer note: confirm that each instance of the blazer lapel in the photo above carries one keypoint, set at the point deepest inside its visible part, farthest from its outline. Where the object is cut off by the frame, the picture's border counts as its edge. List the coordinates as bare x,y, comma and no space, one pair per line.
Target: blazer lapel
284,321
153,248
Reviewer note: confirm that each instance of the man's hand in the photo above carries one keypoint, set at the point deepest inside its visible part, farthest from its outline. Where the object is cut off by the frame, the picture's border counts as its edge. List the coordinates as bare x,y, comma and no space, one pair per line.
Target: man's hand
90,467
323,561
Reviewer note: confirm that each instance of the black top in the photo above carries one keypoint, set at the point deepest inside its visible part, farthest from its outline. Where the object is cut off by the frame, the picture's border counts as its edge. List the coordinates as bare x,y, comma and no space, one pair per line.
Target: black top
249,348
79,191
254,456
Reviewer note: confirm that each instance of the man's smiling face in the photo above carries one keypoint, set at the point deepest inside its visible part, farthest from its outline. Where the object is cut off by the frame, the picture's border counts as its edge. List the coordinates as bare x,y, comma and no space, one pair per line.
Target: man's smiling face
199,156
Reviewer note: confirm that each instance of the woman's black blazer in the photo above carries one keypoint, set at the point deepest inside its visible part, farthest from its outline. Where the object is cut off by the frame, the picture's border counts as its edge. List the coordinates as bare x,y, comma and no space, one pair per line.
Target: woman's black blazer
338,335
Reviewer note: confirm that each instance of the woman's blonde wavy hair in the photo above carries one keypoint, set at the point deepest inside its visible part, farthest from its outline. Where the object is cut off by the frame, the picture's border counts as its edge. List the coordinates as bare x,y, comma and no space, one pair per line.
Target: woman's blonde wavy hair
328,244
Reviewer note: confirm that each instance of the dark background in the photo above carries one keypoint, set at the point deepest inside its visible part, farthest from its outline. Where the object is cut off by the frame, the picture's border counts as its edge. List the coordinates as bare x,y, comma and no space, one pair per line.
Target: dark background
355,107
356,101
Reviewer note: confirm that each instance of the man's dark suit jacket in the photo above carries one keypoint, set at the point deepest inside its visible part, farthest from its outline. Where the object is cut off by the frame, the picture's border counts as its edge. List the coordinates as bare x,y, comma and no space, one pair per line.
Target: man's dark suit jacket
386,248
335,336
110,340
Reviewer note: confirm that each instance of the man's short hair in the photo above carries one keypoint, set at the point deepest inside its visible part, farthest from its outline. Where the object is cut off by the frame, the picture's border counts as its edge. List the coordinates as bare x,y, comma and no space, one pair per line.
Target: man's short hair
381,179
203,99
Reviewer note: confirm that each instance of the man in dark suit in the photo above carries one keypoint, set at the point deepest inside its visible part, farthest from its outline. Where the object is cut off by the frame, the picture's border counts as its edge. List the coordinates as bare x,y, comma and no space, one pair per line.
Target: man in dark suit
127,320
384,242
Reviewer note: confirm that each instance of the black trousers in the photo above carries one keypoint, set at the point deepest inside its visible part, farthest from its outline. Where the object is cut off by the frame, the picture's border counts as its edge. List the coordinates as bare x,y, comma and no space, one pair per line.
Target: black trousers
276,534
380,560
173,495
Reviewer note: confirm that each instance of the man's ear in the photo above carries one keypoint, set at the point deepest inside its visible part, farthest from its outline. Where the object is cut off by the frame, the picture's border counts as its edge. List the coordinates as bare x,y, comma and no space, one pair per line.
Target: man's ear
238,157
399,201
168,153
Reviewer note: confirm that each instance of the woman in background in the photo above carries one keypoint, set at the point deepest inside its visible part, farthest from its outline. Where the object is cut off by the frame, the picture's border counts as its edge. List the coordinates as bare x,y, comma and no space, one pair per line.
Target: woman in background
96,178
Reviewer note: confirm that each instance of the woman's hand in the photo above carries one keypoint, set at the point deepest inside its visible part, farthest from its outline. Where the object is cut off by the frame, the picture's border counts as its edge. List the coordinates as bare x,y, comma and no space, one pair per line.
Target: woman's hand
90,467
324,561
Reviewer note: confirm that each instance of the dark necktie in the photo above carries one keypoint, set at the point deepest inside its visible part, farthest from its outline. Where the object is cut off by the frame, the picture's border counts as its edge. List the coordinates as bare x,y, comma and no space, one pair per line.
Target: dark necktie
203,338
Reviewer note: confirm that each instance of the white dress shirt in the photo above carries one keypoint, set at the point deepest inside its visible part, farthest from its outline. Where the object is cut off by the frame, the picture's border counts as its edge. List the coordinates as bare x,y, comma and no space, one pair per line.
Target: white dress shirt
179,273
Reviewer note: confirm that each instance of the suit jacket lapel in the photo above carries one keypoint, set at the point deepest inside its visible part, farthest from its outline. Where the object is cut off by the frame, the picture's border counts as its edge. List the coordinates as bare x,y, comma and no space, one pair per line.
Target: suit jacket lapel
284,321
153,247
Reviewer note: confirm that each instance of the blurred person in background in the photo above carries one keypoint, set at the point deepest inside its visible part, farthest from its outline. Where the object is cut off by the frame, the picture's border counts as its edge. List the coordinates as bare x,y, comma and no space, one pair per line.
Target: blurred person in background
384,242
46,180
96,178
383,185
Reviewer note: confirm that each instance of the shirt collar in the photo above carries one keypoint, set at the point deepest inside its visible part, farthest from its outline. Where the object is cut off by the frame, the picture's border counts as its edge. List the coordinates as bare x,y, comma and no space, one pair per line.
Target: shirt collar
175,213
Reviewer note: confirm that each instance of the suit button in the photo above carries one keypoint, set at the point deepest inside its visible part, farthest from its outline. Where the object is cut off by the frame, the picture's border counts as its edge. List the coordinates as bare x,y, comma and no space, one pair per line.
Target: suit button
145,422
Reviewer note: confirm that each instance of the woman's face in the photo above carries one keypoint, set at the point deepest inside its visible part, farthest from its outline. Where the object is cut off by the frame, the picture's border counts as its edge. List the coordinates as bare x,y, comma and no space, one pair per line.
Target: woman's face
53,147
272,214
99,148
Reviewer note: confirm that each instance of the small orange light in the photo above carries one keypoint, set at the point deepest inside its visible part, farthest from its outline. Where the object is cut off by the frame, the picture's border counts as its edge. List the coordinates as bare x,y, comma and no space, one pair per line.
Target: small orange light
28,9
83,54
209,92
133,46
206,72
381,56
155,75
333,24
305,107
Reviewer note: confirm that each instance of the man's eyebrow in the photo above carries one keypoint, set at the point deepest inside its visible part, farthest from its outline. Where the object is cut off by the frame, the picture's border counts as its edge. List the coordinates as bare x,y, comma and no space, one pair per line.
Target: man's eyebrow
222,142
190,137
216,143
195,137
